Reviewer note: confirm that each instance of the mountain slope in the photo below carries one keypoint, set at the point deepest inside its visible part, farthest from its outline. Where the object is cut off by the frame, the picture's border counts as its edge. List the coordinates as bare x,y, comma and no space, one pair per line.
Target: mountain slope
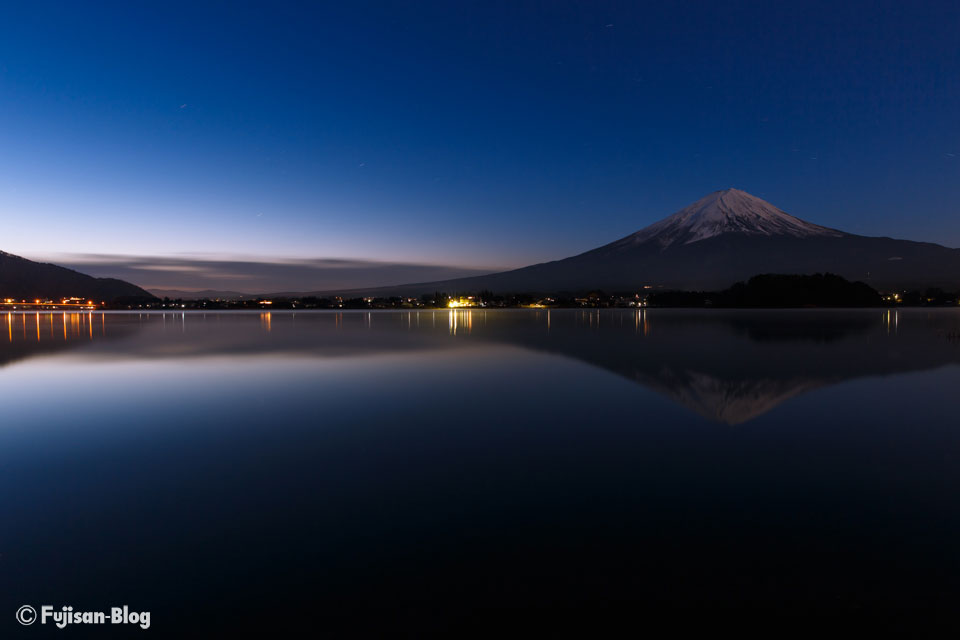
24,279
726,237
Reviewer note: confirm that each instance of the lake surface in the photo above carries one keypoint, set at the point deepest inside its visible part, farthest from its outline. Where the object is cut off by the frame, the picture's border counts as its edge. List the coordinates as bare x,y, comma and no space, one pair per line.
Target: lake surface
435,470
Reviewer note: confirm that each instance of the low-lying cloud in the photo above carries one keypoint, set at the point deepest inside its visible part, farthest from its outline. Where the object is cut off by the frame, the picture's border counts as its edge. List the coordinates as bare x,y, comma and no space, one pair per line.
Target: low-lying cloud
247,276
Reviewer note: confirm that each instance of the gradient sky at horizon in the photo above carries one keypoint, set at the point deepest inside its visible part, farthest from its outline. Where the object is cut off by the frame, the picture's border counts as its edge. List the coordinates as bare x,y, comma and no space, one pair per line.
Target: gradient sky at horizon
465,134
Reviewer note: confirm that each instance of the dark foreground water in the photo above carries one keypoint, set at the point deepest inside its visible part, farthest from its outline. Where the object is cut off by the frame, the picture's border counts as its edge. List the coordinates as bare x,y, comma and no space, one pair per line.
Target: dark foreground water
445,471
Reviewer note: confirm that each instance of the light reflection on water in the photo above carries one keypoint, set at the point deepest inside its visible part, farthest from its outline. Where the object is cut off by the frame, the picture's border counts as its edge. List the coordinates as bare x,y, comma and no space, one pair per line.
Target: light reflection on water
429,463
47,325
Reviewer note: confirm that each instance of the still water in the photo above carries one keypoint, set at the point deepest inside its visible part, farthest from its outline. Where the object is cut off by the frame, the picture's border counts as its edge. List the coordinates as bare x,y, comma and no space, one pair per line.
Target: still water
416,470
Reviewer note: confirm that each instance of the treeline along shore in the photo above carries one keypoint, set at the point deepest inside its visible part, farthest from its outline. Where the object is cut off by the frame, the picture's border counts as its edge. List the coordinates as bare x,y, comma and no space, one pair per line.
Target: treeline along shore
762,291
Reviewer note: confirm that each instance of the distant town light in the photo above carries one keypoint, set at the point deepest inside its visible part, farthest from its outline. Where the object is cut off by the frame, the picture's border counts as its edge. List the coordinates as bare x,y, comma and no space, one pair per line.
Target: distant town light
462,302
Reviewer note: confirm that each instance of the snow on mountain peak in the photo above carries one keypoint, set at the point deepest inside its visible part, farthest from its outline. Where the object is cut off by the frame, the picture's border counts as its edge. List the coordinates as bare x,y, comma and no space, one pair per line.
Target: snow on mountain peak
727,211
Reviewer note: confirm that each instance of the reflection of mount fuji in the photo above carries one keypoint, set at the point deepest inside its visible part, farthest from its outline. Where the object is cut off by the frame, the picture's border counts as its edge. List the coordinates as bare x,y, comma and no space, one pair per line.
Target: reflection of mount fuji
734,366
729,401
729,366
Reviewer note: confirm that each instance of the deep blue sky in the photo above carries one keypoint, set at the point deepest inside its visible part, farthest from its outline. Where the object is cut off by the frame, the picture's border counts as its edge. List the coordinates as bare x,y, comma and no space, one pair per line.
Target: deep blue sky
482,134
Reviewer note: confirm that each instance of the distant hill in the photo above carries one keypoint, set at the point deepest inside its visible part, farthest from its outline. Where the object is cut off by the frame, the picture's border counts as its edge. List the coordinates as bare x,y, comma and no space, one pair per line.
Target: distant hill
777,291
723,238
206,294
817,290
24,279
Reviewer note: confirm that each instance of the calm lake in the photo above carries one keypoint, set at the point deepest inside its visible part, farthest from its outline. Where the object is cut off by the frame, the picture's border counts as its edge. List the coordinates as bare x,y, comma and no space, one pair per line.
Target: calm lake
416,470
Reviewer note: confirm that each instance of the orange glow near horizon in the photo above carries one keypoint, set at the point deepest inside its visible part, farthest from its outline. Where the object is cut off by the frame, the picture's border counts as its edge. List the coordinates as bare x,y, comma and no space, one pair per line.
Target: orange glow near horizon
9,302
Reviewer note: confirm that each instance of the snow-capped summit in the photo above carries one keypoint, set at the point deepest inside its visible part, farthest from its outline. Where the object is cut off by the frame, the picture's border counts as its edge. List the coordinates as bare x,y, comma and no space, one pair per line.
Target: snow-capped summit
727,211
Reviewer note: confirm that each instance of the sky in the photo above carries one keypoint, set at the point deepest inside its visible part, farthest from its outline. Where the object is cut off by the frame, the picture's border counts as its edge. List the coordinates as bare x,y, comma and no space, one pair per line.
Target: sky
159,141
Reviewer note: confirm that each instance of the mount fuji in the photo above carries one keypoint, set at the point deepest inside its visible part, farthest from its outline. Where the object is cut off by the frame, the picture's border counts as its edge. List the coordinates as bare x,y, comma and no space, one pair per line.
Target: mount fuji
723,238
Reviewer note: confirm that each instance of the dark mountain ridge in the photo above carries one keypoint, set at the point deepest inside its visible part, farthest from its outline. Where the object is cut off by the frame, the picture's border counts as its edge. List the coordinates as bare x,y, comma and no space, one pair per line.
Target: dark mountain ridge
23,279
